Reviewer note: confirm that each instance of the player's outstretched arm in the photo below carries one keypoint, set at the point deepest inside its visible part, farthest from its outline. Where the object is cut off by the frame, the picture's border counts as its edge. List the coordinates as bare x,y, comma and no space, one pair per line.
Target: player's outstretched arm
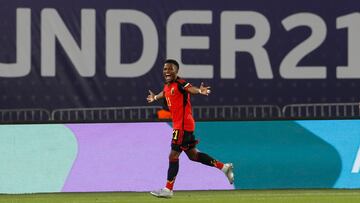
153,97
204,90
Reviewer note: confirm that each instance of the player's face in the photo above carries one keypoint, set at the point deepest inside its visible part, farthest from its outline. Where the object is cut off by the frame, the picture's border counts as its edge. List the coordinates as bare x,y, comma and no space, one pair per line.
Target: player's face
170,72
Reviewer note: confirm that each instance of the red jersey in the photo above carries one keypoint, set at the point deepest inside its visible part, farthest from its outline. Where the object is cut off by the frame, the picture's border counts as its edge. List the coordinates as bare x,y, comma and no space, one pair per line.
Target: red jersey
178,100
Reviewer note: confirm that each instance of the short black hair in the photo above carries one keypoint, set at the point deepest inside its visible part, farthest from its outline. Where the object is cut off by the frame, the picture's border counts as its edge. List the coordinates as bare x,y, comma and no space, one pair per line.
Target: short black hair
172,61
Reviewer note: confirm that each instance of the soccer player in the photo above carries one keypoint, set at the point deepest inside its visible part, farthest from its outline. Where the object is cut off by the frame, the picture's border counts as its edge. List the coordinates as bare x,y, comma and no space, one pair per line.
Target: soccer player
177,94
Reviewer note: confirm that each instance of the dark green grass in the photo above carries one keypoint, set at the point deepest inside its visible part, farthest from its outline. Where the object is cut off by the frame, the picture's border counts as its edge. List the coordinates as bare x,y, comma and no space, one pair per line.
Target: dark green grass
238,196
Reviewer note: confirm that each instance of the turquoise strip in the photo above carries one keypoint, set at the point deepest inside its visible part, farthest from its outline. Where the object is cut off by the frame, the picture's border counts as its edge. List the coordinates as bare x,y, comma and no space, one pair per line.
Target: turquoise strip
35,157
271,154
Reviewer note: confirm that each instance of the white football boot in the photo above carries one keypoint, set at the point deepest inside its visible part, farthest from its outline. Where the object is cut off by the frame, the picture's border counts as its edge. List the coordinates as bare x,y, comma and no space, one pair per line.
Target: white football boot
228,170
164,192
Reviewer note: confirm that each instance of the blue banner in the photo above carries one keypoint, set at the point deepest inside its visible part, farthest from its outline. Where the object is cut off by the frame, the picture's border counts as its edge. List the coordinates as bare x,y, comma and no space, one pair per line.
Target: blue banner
67,54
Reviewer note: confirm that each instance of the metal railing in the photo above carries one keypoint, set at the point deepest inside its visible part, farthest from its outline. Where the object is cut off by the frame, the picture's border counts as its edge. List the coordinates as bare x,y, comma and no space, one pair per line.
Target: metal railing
143,113
134,113
321,110
236,112
23,115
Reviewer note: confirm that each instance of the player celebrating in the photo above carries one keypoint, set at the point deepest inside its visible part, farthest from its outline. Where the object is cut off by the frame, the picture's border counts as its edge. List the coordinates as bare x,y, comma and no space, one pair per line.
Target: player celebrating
177,94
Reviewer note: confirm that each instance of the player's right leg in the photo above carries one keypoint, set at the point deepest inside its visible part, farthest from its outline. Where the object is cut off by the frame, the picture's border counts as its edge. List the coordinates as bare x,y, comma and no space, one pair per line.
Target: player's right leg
167,191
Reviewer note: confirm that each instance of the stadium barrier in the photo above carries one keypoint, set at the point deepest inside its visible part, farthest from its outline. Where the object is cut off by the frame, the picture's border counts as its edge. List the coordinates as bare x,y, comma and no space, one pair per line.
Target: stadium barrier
23,115
141,113
201,113
134,113
321,110
239,112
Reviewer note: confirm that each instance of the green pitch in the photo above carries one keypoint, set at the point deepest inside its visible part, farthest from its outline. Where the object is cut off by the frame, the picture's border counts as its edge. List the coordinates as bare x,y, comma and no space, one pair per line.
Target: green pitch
238,196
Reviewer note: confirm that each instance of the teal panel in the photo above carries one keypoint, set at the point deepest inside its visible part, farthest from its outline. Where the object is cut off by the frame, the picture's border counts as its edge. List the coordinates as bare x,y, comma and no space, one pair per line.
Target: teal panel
344,135
271,154
35,158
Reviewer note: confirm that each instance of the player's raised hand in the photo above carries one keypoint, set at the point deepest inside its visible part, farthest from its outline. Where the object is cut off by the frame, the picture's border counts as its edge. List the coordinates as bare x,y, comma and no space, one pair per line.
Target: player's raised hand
204,90
151,97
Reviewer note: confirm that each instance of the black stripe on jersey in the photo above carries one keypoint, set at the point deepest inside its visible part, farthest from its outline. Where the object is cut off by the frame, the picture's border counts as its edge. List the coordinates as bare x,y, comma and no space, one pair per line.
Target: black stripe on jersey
181,87
182,84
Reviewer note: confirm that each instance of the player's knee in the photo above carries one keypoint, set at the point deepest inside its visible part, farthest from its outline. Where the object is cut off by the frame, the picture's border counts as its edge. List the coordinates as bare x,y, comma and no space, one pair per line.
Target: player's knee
193,156
173,158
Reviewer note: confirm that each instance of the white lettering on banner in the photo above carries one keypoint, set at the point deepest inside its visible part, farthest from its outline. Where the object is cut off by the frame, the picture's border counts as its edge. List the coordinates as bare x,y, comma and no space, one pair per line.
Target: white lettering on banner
52,28
351,22
175,42
114,67
83,56
289,68
255,46
356,166
22,66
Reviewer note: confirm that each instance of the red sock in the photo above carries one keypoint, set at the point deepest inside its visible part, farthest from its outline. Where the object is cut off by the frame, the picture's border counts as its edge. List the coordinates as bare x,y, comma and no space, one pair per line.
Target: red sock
219,165
170,184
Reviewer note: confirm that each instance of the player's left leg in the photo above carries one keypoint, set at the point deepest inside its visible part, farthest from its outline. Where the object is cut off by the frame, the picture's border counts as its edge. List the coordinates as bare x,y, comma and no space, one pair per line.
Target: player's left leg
195,155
